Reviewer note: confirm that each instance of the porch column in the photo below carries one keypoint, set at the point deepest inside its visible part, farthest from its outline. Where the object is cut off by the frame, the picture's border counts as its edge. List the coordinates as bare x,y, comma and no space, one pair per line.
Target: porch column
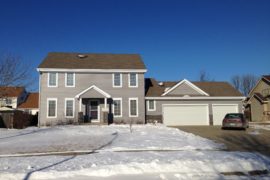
80,105
105,103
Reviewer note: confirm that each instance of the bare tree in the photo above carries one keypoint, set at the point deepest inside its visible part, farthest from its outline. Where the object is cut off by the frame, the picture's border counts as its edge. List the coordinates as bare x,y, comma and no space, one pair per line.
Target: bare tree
248,82
244,83
13,72
236,82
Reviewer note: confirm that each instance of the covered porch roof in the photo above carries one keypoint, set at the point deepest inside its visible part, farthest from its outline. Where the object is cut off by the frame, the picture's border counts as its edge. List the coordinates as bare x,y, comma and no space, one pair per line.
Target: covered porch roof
93,92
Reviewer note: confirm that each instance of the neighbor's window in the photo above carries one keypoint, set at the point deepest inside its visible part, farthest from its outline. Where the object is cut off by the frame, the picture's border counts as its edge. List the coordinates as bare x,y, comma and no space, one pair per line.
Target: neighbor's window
151,105
133,80
52,107
52,79
117,80
69,107
133,107
70,79
117,108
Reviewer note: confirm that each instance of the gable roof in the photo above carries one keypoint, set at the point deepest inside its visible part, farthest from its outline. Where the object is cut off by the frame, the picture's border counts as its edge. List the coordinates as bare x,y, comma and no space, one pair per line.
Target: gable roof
11,91
221,89
264,78
31,101
189,84
61,60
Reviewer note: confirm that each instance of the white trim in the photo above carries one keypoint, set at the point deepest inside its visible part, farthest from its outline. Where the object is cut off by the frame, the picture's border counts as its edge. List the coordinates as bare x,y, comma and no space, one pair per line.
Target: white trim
136,81
121,110
51,99
148,109
207,109
189,84
92,70
195,98
120,81
56,79
73,107
98,109
66,80
137,107
95,88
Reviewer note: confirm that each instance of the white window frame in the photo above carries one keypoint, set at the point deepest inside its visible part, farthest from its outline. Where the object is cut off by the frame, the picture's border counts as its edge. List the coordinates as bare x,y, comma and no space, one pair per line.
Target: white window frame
73,109
137,107
129,85
66,85
51,99
120,80
121,110
56,79
148,105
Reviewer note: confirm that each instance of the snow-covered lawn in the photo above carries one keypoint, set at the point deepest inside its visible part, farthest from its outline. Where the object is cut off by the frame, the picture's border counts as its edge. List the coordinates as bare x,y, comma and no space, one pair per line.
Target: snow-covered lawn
147,150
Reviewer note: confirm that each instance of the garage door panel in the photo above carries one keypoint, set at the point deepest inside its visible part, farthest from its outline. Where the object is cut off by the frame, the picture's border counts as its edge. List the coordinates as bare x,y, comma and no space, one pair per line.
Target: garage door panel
219,111
174,115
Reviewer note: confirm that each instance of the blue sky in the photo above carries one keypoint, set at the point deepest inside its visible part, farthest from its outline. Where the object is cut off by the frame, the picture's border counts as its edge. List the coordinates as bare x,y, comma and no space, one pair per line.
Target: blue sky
176,38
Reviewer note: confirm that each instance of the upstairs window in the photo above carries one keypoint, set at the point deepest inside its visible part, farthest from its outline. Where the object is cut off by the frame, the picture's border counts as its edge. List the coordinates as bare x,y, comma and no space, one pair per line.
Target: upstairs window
133,80
117,80
52,79
70,79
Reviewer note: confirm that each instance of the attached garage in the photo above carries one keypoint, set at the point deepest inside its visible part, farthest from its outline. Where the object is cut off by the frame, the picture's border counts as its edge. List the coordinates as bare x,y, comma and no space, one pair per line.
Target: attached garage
220,110
185,114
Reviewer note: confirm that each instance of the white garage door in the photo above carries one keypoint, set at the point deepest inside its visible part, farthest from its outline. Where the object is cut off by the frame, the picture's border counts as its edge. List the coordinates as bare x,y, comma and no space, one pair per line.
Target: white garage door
220,110
185,114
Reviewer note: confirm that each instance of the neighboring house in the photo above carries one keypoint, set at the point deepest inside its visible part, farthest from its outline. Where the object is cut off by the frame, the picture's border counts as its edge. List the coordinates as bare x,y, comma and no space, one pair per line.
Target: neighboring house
30,105
12,96
103,87
191,103
259,100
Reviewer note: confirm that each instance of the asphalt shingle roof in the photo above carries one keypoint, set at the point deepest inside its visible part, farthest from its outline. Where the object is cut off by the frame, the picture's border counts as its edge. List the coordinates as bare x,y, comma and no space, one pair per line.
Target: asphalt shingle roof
92,61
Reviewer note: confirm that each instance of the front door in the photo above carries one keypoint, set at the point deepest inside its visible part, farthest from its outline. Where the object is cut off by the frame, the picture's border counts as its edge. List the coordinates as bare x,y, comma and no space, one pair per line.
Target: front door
94,110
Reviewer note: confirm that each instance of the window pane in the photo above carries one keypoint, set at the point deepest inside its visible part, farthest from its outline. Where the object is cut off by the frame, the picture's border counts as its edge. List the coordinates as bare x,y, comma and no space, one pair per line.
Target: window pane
52,79
69,108
117,107
133,107
117,80
52,108
133,80
70,79
151,104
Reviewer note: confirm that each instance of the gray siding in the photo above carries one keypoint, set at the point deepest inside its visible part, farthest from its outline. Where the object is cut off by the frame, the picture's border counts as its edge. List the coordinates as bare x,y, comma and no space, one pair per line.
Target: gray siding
183,89
84,81
159,104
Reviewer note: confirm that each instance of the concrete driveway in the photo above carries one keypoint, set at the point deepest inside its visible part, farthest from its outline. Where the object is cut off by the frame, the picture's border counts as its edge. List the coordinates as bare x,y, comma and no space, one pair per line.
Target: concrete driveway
251,140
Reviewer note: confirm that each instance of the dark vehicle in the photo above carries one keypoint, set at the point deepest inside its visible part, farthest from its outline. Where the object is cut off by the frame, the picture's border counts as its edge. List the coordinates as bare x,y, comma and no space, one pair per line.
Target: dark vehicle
235,120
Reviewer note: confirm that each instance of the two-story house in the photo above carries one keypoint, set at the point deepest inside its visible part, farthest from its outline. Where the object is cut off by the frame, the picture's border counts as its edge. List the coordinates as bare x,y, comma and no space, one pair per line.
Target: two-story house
259,100
100,87
12,96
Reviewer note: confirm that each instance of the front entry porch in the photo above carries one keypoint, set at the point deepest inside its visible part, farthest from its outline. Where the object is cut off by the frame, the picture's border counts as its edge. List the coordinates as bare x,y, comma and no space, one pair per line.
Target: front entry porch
95,106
